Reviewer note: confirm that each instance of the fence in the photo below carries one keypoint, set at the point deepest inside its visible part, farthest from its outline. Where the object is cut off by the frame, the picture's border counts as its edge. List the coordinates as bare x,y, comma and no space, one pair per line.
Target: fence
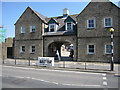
99,65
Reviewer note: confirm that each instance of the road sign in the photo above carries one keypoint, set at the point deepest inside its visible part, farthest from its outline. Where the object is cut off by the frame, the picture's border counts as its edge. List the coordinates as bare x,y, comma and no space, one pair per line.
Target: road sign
45,61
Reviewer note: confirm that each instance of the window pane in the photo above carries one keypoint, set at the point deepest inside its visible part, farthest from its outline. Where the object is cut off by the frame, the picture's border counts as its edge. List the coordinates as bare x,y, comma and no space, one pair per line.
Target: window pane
23,48
91,24
22,29
108,22
33,48
52,28
69,26
108,49
33,28
91,49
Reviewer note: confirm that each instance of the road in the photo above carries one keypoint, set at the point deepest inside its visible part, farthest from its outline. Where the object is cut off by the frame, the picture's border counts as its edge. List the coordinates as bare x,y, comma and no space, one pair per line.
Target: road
23,77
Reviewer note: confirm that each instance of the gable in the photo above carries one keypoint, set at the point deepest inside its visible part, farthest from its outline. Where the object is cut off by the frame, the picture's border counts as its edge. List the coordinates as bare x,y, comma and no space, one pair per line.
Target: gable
51,21
69,19
30,14
98,8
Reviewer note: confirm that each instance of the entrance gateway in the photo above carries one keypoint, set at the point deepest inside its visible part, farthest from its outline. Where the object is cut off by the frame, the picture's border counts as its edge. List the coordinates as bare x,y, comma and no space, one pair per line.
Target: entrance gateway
65,47
64,50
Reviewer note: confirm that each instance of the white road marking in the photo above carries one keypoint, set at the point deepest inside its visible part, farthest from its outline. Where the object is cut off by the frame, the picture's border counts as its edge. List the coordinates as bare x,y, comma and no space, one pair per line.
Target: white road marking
104,74
28,77
53,82
104,78
20,77
82,85
66,84
104,83
51,70
42,80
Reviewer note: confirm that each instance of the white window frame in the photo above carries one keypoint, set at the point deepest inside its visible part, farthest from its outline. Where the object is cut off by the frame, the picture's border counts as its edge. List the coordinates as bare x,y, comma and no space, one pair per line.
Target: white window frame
71,26
31,49
55,27
23,29
111,22
88,49
88,23
31,28
106,49
21,49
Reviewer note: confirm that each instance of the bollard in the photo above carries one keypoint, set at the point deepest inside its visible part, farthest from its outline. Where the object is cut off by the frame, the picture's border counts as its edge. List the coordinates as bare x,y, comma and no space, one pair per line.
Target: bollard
15,60
29,62
63,64
3,59
85,63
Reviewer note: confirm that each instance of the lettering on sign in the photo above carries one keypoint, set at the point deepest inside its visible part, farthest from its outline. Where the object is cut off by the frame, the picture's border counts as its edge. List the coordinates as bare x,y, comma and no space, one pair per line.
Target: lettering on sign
45,61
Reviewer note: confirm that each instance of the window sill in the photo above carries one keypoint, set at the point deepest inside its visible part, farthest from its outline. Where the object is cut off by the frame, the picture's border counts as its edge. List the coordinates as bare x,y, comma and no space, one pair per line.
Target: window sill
32,53
22,33
107,26
108,53
91,53
69,31
52,32
32,32
22,52
91,28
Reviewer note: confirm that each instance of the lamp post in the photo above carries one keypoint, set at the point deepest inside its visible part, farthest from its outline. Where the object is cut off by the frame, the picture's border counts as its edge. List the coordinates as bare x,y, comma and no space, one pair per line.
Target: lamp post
112,59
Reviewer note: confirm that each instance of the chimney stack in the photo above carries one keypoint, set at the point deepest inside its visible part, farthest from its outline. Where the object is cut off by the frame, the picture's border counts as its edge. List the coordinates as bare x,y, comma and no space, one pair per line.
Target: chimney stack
65,12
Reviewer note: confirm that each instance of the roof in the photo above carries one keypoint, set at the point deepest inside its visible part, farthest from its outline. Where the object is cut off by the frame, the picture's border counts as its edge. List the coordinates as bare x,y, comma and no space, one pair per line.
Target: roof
40,16
61,20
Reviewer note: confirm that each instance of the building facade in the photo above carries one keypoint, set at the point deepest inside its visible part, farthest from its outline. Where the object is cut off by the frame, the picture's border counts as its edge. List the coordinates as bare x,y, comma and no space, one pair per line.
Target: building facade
88,32
7,48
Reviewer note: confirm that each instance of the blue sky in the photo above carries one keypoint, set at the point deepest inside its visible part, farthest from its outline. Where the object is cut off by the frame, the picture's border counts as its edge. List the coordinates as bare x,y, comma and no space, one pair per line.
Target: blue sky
11,11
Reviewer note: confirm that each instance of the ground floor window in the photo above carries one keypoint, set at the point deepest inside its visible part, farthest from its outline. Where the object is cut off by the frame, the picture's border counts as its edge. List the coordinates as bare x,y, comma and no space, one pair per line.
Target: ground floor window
32,49
91,49
108,49
22,49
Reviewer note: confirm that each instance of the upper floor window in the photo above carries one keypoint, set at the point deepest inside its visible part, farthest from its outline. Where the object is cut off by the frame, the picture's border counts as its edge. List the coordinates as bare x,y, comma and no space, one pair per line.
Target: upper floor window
91,49
108,49
91,23
22,49
32,49
51,27
69,26
32,28
107,22
22,29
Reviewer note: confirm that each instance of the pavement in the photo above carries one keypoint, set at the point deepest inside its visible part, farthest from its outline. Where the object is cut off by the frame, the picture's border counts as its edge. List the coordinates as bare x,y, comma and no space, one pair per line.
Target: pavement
70,69
70,66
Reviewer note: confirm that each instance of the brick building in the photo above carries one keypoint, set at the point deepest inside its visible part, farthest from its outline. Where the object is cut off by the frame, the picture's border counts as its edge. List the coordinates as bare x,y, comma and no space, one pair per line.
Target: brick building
88,32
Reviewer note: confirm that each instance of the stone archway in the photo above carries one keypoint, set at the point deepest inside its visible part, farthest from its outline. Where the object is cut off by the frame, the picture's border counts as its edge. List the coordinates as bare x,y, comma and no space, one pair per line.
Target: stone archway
54,49
52,44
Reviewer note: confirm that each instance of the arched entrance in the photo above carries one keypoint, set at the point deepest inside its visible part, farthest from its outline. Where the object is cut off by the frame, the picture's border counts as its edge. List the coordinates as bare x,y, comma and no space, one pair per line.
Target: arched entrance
61,50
